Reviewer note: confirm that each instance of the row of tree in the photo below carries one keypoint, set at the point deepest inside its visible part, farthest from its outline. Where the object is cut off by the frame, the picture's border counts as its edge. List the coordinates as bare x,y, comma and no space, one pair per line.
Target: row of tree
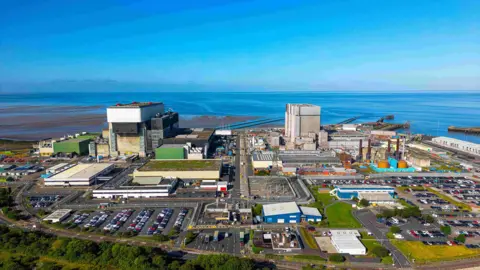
105,255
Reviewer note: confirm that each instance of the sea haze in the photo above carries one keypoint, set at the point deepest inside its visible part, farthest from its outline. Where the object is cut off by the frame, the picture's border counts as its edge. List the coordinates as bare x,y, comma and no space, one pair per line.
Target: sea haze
428,112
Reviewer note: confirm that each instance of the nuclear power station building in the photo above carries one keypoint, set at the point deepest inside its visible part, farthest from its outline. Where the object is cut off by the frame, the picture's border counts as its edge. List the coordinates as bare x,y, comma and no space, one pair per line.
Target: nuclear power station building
139,127
301,119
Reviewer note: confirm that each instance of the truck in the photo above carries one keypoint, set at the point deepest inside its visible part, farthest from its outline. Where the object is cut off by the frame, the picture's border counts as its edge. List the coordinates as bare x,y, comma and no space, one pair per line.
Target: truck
242,238
215,236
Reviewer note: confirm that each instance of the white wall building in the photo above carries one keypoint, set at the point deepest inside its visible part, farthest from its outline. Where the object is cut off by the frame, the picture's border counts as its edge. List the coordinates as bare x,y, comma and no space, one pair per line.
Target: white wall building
301,119
79,175
471,148
346,241
58,216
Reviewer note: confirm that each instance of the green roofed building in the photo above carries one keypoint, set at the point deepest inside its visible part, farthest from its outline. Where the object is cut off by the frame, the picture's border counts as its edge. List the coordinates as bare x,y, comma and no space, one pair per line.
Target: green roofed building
77,145
170,151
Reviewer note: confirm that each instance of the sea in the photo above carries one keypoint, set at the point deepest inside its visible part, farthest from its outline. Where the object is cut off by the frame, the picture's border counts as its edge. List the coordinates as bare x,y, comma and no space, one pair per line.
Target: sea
427,112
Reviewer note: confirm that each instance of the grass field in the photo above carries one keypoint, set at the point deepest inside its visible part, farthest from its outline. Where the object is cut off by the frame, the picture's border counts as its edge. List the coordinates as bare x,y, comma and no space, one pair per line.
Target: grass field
340,215
425,254
308,239
369,242
321,199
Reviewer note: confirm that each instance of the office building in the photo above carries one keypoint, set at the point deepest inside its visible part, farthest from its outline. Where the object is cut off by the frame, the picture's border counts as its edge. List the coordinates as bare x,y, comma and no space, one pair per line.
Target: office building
348,192
301,119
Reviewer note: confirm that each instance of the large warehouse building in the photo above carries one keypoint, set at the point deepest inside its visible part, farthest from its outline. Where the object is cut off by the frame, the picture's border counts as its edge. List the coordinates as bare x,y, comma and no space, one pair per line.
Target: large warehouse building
301,119
77,145
347,242
154,170
289,212
139,127
471,148
281,213
79,175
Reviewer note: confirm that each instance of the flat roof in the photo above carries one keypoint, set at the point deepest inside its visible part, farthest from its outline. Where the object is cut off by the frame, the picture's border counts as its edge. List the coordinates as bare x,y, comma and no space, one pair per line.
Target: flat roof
364,187
345,233
74,140
80,171
347,239
135,105
182,165
58,214
375,196
280,209
172,145
310,211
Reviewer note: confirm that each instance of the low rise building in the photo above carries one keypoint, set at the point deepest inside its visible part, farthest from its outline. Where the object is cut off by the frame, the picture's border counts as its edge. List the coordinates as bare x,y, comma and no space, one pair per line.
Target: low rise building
377,197
310,214
347,242
348,192
79,175
58,216
281,213
207,169
468,147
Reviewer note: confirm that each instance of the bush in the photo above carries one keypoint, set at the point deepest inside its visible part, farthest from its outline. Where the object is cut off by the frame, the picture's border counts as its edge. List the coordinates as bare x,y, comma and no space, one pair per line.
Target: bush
447,230
336,258
380,251
364,203
395,229
428,218
461,238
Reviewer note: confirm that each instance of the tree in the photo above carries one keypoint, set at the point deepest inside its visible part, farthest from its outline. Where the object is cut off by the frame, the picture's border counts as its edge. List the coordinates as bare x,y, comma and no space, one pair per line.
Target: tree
395,229
428,218
379,215
336,258
461,238
189,237
257,209
380,251
173,265
364,203
387,213
447,230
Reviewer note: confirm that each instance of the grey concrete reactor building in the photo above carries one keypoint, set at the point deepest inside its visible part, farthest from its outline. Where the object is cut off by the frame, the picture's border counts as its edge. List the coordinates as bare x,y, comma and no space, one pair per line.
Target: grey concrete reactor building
301,119
139,127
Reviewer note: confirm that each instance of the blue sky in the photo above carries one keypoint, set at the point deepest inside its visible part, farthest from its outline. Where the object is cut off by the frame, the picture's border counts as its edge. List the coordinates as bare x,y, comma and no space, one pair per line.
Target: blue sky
269,44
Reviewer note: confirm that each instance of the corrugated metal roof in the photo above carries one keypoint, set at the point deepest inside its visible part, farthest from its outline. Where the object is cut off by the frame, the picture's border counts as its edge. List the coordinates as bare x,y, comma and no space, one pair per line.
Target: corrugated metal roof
280,209
310,211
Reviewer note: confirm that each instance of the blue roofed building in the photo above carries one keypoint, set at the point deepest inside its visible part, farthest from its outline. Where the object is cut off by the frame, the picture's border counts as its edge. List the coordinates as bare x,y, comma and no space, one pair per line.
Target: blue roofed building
310,214
281,213
348,192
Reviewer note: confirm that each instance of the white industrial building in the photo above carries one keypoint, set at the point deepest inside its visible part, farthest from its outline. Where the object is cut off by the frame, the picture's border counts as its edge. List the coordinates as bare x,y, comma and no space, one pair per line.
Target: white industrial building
471,148
301,119
348,242
58,216
131,192
79,175
57,168
377,197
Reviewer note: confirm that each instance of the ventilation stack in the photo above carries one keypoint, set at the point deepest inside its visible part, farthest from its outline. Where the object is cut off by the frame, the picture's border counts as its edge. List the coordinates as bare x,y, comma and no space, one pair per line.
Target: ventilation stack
369,150
360,151
387,153
398,149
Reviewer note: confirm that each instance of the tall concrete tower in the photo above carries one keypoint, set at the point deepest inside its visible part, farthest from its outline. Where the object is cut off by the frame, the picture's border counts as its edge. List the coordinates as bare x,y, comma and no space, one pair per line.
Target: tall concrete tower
300,119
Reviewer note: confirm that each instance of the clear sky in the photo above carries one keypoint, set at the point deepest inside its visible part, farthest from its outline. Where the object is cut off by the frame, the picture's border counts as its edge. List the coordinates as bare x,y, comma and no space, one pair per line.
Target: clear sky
276,44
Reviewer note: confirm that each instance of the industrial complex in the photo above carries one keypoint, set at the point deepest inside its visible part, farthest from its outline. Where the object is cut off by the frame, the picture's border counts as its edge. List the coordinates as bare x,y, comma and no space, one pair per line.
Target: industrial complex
358,192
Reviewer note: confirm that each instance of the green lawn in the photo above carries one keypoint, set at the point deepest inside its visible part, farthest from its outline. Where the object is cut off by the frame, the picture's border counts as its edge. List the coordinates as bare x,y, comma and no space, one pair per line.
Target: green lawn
369,242
425,254
179,165
340,215
321,199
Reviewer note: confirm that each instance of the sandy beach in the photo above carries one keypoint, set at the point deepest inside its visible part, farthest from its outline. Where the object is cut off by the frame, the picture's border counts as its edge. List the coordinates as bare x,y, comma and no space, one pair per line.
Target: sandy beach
39,122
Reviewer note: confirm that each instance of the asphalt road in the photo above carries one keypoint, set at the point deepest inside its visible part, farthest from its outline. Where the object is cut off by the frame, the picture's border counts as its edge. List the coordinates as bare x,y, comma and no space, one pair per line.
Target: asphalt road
369,221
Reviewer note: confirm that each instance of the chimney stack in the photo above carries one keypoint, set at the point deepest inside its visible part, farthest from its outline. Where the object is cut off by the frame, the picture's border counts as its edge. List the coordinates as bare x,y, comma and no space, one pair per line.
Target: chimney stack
369,150
398,149
360,151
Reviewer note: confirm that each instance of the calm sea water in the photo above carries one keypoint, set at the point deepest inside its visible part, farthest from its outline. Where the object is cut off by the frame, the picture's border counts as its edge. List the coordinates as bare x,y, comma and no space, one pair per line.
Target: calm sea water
428,113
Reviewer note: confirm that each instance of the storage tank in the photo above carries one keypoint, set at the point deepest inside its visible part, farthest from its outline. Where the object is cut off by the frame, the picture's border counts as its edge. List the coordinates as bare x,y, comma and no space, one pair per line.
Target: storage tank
402,164
383,164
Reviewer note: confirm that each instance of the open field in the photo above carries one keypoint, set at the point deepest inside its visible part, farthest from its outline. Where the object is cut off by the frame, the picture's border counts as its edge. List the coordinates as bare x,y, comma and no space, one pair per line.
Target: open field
321,199
369,242
425,254
339,215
